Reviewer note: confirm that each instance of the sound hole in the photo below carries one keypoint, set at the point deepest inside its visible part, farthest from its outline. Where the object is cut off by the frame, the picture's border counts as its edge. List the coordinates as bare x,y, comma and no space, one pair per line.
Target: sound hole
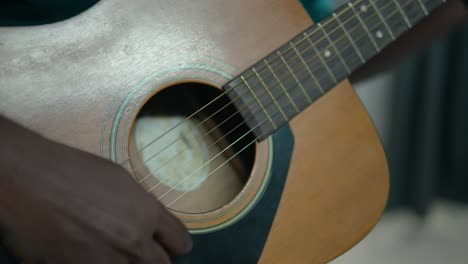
193,163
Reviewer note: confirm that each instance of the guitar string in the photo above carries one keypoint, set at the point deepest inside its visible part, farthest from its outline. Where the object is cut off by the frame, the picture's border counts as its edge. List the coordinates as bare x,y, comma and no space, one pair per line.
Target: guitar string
180,152
186,133
240,110
236,154
168,160
217,155
231,88
222,164
239,96
260,95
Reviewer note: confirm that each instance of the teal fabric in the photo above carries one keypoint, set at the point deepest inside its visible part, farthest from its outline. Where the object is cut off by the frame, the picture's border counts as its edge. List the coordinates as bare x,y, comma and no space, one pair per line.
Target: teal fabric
318,9
36,12
428,150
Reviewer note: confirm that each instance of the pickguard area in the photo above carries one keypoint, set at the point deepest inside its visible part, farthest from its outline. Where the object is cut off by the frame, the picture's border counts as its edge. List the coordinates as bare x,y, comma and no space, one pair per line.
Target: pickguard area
243,242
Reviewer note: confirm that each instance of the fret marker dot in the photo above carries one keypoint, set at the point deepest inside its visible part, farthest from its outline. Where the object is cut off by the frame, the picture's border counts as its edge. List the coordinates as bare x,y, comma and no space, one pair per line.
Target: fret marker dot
327,53
364,8
379,34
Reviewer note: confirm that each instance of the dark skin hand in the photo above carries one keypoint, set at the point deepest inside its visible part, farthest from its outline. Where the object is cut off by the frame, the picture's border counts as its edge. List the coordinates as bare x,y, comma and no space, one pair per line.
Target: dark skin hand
62,205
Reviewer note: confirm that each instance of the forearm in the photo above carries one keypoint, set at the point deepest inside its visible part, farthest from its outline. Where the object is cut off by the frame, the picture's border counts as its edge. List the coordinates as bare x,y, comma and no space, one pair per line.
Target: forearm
9,156
53,193
453,13
16,149
17,141
13,138
22,155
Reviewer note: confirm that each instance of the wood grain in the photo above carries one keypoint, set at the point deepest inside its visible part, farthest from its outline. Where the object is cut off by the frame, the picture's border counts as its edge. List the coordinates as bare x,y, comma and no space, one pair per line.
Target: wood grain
337,184
81,82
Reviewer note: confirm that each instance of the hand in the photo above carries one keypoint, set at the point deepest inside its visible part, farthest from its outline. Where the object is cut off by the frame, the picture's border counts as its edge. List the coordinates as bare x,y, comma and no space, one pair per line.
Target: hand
61,205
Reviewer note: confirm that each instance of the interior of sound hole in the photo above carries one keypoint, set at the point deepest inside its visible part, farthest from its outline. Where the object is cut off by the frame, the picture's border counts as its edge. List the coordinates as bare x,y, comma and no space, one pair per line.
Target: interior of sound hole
198,164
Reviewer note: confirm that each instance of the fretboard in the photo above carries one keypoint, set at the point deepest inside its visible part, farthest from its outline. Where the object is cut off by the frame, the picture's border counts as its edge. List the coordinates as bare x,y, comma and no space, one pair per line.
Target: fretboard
280,86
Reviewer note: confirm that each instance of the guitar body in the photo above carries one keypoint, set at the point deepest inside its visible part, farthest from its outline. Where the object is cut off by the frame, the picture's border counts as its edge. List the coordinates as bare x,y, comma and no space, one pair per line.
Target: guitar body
82,82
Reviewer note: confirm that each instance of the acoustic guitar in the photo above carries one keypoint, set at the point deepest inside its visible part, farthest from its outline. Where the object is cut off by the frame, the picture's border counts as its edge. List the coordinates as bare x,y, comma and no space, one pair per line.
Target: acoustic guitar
236,115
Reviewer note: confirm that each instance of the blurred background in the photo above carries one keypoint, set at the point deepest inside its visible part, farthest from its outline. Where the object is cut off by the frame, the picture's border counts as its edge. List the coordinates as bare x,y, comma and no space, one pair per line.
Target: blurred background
420,109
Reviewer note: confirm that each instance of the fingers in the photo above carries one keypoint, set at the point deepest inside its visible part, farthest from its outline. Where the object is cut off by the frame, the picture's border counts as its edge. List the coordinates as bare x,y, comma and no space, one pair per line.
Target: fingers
109,257
154,253
100,254
173,235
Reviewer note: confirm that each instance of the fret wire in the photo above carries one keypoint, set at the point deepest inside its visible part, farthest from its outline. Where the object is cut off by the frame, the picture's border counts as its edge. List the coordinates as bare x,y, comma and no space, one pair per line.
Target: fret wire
317,52
371,37
320,57
258,101
308,69
349,37
282,57
341,12
393,13
382,18
309,41
397,22
432,4
415,12
403,13
301,73
212,101
219,166
360,36
332,44
231,88
363,24
281,84
199,110
351,5
423,8
293,75
268,91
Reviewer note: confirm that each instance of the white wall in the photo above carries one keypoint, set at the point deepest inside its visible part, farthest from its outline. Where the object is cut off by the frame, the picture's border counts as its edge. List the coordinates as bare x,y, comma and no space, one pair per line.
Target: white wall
376,94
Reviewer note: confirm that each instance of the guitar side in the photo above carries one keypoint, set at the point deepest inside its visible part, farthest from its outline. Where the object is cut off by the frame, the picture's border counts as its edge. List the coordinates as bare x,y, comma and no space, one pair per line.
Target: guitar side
338,178
337,185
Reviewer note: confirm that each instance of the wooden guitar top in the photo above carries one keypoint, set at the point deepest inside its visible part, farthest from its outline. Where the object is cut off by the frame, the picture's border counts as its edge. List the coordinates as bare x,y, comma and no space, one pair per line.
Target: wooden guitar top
69,81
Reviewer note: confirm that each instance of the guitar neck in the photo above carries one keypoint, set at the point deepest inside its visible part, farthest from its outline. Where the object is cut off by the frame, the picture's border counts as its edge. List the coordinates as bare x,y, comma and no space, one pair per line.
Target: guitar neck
280,86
